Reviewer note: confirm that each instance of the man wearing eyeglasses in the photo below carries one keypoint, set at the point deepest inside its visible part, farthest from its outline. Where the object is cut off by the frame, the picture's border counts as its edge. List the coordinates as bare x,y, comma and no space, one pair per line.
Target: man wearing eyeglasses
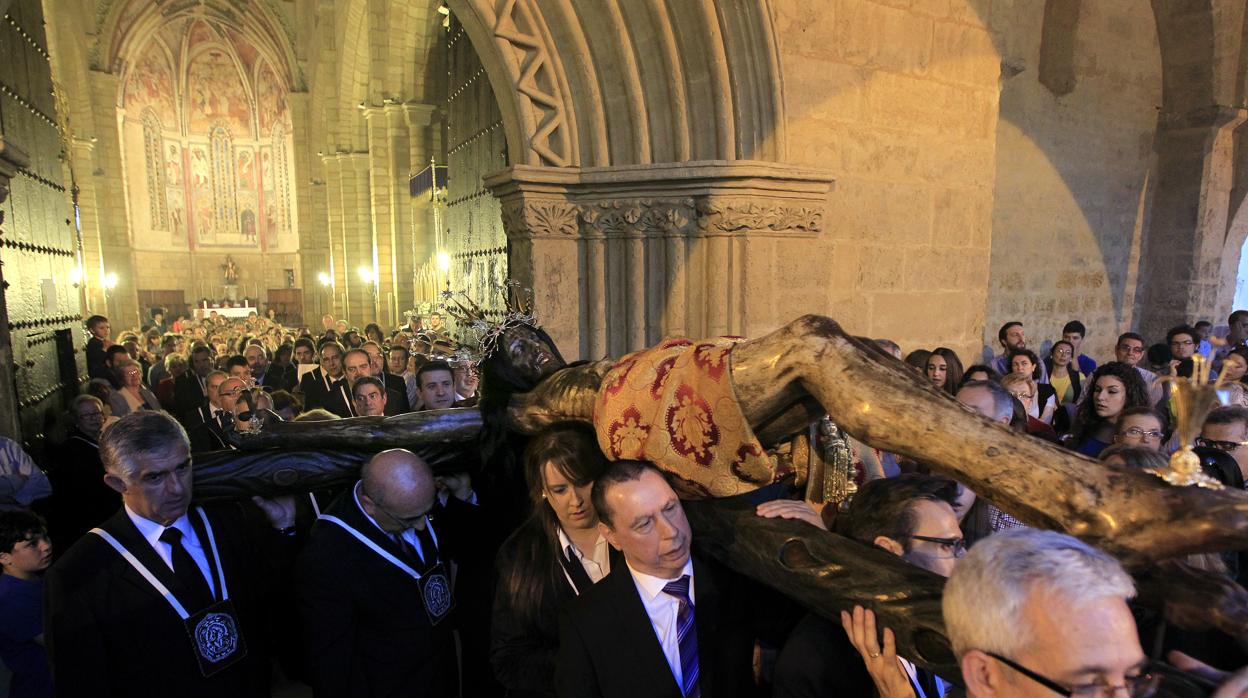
1129,350
375,585
1226,429
215,418
1039,613
910,516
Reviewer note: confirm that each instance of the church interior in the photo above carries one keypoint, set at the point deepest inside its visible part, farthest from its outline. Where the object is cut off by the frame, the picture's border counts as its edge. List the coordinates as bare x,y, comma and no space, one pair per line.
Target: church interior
926,172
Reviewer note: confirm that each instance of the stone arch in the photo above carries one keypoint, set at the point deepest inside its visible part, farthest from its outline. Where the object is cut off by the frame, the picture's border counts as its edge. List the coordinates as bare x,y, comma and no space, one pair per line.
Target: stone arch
644,97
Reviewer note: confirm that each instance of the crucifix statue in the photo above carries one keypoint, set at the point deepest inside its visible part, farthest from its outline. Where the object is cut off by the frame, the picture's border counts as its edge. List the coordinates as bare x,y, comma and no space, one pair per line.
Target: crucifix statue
231,271
707,412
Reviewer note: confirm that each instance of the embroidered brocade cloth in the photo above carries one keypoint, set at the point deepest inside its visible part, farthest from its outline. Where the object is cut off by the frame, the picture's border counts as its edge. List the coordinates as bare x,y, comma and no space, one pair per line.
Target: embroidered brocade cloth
674,405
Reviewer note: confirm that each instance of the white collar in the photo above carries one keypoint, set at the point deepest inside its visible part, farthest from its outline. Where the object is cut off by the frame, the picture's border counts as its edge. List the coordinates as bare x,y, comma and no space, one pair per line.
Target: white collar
569,548
652,586
150,530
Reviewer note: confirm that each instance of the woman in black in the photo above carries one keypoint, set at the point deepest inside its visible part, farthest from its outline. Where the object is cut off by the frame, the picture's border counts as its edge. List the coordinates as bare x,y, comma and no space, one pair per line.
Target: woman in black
555,555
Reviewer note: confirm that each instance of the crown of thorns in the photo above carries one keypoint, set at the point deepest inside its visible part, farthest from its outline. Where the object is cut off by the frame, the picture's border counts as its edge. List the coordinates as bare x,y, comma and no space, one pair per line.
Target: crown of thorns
472,319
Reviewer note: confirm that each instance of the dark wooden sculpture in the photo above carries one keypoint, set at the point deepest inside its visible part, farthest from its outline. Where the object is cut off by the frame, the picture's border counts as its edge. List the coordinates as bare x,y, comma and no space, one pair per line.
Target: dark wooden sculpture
789,378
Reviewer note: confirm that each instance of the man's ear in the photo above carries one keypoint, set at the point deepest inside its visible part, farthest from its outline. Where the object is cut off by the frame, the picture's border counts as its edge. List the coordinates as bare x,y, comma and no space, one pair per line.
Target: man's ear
115,483
889,544
606,532
981,674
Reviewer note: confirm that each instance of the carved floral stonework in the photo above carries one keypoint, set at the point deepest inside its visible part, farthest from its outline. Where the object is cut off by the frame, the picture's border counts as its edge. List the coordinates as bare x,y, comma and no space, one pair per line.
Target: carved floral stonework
540,218
740,215
648,217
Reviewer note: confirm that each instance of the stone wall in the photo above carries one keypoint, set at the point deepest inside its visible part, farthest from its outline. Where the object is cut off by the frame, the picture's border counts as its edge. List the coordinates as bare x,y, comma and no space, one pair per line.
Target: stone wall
899,102
1074,168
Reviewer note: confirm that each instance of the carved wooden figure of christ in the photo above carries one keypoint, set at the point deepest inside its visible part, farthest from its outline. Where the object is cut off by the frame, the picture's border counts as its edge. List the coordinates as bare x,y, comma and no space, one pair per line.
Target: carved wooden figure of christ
784,381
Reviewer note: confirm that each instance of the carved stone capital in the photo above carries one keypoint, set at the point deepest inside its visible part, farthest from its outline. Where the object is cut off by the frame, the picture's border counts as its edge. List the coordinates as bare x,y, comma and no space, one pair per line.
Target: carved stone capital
540,218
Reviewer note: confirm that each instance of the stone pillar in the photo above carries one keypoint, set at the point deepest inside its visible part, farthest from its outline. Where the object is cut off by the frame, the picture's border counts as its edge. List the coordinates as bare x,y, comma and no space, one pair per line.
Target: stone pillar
116,251
391,129
91,293
351,235
12,158
1185,242
619,258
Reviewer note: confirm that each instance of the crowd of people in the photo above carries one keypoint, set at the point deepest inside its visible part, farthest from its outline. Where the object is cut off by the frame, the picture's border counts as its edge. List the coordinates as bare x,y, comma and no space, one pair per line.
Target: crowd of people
410,583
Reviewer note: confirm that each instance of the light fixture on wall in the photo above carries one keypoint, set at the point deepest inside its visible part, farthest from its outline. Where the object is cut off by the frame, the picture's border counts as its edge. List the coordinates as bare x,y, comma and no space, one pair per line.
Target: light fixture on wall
366,275
75,275
324,279
443,261
110,280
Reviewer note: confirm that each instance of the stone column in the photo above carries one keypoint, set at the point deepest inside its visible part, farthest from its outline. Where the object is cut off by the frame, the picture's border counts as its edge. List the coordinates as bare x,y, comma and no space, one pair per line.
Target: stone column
116,250
12,158
1183,248
351,235
91,293
391,129
619,258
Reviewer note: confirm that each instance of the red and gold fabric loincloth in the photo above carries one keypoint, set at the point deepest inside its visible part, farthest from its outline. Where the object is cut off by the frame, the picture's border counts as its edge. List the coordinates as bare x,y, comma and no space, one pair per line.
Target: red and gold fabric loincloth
674,405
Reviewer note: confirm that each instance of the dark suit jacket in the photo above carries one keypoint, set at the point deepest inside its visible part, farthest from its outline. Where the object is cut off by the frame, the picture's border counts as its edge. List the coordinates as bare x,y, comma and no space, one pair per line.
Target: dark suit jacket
206,433
396,394
96,368
522,653
333,398
80,499
188,397
818,661
109,633
364,623
608,648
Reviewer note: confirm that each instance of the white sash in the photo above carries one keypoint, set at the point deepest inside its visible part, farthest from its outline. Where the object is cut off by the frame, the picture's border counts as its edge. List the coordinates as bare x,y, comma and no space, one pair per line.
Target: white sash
369,542
151,578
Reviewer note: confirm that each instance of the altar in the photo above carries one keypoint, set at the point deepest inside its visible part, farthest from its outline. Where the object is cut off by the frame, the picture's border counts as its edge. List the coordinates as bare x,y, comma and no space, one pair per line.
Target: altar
239,313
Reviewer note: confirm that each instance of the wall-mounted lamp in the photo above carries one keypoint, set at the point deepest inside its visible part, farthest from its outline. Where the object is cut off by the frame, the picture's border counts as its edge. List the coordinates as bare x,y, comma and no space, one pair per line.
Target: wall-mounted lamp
110,280
443,261
324,279
366,275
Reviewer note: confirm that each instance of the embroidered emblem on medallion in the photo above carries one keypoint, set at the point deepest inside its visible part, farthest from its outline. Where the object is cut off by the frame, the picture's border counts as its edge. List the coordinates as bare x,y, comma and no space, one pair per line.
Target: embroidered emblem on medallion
216,636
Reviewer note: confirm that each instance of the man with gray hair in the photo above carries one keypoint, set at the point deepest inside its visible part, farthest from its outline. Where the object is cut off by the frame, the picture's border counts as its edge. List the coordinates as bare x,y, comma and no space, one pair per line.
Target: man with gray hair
164,599
1030,613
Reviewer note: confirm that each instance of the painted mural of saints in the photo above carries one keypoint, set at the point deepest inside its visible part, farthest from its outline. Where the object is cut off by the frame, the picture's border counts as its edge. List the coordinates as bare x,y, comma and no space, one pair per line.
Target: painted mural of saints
200,169
246,170
247,223
173,166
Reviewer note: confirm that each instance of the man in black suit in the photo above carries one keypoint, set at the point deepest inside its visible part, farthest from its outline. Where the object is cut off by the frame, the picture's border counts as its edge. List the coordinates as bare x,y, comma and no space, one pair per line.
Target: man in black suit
374,585
396,383
99,328
189,390
325,387
664,625
910,516
112,630
357,364
215,418
257,358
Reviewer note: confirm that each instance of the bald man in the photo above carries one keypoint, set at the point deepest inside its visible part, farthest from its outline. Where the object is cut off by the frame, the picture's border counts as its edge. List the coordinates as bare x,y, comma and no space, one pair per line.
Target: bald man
374,585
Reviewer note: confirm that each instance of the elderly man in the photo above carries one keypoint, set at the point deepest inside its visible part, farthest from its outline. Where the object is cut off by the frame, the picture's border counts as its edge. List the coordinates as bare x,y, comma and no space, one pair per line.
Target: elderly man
910,516
374,585
397,360
258,365
165,599
218,416
1039,613
665,624
1129,350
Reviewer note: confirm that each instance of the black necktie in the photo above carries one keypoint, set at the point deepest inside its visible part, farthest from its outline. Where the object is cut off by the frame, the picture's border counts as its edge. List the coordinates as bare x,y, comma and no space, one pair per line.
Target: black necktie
195,590
927,681
428,548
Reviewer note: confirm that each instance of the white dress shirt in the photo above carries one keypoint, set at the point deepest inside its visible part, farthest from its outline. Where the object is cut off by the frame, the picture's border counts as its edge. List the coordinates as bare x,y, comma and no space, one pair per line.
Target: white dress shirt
150,530
597,565
662,609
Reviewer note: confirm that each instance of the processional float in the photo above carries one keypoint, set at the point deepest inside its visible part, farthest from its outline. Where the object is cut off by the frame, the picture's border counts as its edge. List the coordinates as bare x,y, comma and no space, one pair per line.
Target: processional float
783,383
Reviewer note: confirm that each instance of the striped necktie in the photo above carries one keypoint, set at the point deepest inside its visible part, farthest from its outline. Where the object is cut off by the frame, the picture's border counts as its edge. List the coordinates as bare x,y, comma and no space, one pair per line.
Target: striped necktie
686,637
